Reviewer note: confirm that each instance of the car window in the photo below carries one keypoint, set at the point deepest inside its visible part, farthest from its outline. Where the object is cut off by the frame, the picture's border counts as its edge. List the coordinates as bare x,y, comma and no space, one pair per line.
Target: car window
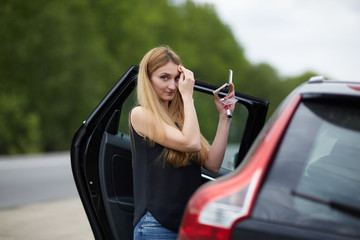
317,165
208,117
125,110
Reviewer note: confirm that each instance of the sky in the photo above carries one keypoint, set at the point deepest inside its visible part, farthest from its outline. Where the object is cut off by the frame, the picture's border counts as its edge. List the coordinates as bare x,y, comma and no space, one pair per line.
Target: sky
295,36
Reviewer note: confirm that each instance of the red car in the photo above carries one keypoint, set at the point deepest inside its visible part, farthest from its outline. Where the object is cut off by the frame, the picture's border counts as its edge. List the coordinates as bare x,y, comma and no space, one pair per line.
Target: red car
300,179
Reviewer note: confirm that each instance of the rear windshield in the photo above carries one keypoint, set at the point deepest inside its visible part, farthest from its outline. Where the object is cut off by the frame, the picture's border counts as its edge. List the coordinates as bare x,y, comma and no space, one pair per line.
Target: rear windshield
317,165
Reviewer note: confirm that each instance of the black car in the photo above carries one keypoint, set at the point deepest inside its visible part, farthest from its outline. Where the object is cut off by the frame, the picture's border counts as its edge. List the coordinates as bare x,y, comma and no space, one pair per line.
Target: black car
299,180
101,156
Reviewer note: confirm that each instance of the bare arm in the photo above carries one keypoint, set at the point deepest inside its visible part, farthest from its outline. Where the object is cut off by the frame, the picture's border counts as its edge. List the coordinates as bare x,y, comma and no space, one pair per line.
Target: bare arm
185,140
217,149
191,129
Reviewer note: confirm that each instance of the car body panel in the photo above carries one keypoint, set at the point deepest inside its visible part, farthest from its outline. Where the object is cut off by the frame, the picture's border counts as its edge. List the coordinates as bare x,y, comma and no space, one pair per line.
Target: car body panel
250,229
253,224
261,154
313,183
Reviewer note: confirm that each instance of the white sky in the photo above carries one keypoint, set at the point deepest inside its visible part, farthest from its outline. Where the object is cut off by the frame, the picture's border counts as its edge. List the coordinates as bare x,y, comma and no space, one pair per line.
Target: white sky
294,36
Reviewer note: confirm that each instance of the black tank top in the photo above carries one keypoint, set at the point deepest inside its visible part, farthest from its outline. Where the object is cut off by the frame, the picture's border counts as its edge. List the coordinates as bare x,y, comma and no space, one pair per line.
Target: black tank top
160,188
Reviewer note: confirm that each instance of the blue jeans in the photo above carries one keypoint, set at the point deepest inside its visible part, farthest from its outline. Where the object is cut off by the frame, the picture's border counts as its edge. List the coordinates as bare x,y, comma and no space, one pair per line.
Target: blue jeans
149,228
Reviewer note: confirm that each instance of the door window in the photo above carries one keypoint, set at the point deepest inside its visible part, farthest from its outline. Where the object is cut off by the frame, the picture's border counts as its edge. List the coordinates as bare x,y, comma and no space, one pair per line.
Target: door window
125,110
208,118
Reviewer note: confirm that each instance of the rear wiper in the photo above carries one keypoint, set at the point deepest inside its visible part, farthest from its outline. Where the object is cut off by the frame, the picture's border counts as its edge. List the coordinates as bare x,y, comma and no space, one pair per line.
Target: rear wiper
340,206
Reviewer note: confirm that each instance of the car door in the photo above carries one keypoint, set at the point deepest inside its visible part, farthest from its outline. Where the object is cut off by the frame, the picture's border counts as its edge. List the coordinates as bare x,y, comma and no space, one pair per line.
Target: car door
101,155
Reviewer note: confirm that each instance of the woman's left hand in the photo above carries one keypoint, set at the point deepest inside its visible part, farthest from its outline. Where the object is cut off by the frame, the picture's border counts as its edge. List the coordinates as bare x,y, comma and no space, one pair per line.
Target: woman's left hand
220,106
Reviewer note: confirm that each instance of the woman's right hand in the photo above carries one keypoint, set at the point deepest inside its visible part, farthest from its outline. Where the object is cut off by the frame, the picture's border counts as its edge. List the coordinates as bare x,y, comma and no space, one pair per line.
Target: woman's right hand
186,82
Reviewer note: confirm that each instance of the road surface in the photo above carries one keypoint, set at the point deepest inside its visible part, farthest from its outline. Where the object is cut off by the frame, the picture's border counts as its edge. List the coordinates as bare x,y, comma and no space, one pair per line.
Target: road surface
35,178
38,199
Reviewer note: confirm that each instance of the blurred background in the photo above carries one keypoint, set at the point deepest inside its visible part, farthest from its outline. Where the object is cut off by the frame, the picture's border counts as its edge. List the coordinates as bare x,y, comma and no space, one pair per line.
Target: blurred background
59,58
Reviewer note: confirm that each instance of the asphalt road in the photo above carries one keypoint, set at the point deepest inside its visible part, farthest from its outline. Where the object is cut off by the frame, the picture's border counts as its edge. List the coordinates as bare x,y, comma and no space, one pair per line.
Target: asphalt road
31,179
39,200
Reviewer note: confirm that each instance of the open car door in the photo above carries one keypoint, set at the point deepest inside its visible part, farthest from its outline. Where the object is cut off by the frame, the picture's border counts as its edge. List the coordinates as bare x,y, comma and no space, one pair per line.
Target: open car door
101,155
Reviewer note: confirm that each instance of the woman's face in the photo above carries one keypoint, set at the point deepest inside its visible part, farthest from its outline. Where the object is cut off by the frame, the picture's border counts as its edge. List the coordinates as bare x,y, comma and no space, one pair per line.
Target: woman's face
165,81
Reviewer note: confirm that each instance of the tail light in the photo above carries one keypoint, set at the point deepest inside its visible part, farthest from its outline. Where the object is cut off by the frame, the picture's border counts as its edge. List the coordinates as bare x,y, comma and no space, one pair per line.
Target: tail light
222,204
357,88
214,208
226,210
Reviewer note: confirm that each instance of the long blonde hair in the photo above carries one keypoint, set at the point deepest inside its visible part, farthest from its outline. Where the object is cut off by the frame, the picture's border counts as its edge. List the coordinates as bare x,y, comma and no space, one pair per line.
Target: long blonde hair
147,98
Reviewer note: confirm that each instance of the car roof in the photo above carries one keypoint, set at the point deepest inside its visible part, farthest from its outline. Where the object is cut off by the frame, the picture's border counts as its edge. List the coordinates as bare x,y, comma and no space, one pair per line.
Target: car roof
319,85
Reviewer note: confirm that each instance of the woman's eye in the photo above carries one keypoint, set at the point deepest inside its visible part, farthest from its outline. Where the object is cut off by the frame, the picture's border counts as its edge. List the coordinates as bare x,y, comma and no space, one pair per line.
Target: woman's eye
164,77
177,78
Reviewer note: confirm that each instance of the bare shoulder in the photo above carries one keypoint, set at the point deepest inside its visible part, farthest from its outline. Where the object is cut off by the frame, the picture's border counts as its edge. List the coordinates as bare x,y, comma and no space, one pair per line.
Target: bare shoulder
137,111
138,119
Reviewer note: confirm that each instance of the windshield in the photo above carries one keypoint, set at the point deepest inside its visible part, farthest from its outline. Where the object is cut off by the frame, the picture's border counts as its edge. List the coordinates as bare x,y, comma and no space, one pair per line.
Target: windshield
319,161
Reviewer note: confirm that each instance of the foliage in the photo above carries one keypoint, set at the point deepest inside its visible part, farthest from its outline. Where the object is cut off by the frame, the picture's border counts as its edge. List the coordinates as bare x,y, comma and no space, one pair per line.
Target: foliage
60,57
19,129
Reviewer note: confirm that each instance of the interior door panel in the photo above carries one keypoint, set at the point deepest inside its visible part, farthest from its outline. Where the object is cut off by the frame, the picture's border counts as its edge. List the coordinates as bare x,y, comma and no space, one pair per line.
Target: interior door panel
101,159
116,183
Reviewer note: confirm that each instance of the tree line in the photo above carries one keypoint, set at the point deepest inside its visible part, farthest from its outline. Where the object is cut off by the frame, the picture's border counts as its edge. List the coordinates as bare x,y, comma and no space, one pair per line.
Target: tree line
60,57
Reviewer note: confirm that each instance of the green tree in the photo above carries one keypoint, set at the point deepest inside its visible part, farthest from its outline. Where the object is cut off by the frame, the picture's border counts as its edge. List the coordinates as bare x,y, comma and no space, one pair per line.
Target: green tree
263,81
60,57
54,58
292,82
20,128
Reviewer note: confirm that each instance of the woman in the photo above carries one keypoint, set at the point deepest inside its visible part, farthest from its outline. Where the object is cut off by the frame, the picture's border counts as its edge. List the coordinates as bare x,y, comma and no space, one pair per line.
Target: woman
167,147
